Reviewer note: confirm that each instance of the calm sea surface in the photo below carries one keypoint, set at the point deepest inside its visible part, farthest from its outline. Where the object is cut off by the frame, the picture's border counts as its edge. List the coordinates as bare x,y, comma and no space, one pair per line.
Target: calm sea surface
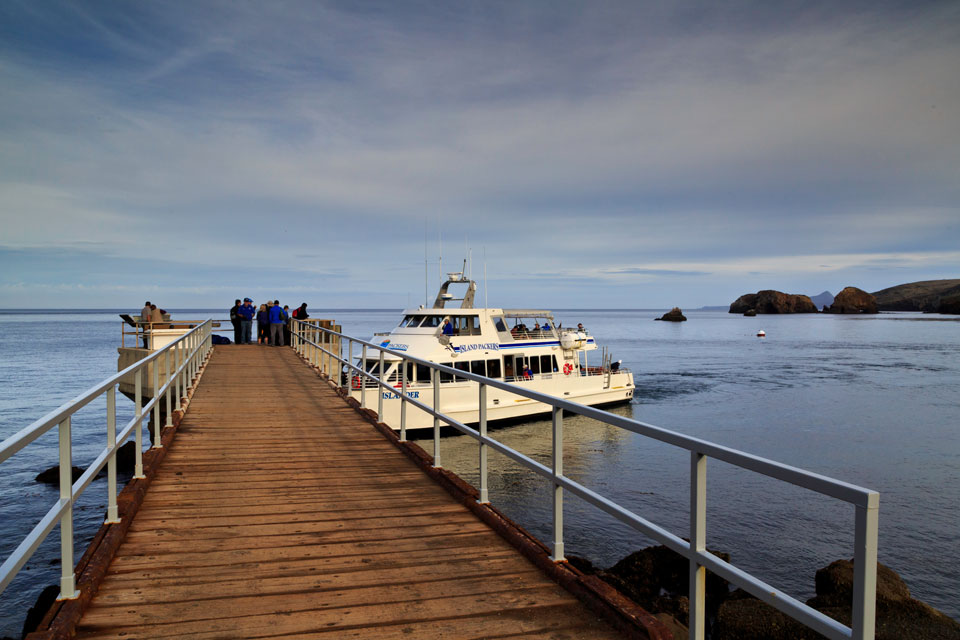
870,400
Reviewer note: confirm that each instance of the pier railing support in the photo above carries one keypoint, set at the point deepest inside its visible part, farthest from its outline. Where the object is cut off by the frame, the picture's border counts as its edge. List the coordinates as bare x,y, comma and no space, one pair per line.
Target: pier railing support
138,401
403,402
166,366
362,376
865,569
113,517
698,544
484,493
557,468
68,589
156,404
380,390
435,377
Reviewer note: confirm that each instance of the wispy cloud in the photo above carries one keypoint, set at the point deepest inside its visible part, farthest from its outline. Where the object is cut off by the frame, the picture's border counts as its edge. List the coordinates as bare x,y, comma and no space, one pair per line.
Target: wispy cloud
619,141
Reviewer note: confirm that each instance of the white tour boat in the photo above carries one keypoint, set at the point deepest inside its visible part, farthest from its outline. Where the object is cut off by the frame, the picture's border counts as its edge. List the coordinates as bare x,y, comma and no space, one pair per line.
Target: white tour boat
521,346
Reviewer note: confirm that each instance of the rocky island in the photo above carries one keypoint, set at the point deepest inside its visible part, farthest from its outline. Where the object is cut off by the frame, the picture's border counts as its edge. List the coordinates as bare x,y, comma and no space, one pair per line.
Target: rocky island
853,300
931,296
770,301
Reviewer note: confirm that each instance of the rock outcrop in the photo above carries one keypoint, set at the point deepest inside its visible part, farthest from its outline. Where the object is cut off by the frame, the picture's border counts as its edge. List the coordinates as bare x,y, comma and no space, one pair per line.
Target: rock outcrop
674,315
853,300
899,617
770,301
927,295
51,476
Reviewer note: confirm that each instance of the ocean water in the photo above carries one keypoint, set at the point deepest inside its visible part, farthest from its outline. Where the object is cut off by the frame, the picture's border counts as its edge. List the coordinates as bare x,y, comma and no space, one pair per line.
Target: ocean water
872,400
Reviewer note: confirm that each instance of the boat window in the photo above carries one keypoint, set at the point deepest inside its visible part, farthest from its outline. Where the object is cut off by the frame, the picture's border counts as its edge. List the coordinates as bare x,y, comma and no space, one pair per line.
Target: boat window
373,366
478,367
548,364
534,364
412,321
392,373
508,367
444,376
500,324
423,373
432,321
466,325
462,366
493,368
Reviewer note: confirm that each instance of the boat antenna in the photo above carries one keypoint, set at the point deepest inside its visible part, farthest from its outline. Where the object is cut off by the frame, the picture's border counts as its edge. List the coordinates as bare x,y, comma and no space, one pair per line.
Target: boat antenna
486,304
426,285
440,256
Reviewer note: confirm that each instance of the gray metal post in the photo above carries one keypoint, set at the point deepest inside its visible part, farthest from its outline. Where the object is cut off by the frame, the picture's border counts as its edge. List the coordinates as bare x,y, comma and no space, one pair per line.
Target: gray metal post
112,514
436,421
362,377
166,364
176,368
156,404
698,544
484,495
557,489
865,569
138,401
380,390
403,401
68,589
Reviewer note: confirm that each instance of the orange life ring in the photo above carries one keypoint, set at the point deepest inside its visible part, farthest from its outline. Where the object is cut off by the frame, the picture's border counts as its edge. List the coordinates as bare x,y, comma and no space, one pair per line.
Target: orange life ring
567,369
355,382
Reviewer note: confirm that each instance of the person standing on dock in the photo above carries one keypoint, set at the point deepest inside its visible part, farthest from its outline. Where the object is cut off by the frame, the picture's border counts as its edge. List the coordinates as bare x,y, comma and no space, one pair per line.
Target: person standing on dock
145,314
246,313
263,325
300,313
277,320
235,320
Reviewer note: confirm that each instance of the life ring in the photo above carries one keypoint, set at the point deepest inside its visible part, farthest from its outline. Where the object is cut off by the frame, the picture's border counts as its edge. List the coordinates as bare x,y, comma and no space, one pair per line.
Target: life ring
567,369
355,382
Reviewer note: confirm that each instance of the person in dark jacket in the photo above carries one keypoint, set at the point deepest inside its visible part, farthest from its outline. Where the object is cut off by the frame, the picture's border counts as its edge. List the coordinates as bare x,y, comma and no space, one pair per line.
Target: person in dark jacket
235,320
300,313
277,320
263,325
246,313
286,324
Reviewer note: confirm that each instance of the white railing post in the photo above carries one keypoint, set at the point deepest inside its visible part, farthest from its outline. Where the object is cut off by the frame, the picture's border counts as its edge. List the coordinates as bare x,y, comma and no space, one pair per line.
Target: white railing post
557,489
113,517
68,589
865,569
156,404
362,377
176,371
340,367
436,421
698,544
403,401
169,385
484,494
380,390
138,401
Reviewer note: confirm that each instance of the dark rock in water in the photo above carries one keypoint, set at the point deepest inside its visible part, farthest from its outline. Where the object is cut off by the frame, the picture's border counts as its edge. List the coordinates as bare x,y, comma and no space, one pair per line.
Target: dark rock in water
127,457
853,300
39,609
581,564
674,315
899,617
52,475
750,313
743,617
658,579
770,301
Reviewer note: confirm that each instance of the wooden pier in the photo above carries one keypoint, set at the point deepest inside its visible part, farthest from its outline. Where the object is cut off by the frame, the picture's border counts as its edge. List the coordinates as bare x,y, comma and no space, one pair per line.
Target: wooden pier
278,511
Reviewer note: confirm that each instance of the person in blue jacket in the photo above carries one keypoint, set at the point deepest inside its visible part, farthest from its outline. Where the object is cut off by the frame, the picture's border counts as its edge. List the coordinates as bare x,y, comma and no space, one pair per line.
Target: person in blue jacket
246,312
277,321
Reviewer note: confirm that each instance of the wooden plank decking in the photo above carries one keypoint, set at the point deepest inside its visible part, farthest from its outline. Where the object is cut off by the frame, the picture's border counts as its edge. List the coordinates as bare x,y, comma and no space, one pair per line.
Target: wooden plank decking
279,512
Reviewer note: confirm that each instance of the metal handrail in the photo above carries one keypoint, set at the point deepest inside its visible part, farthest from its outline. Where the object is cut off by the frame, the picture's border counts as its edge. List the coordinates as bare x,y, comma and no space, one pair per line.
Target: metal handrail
865,501
187,353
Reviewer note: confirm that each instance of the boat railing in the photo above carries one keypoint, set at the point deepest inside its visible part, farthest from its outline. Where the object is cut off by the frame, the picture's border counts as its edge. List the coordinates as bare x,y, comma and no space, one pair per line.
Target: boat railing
183,359
309,344
533,335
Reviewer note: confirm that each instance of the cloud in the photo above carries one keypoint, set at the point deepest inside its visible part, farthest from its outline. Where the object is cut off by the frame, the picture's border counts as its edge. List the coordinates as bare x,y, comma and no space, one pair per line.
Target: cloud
610,141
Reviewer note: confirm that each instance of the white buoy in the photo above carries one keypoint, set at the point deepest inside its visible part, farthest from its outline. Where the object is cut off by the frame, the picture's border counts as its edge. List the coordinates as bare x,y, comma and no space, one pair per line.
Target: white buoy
761,333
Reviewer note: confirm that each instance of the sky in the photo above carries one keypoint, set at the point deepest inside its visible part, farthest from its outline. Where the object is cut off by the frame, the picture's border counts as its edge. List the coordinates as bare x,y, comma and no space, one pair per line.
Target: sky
583,154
